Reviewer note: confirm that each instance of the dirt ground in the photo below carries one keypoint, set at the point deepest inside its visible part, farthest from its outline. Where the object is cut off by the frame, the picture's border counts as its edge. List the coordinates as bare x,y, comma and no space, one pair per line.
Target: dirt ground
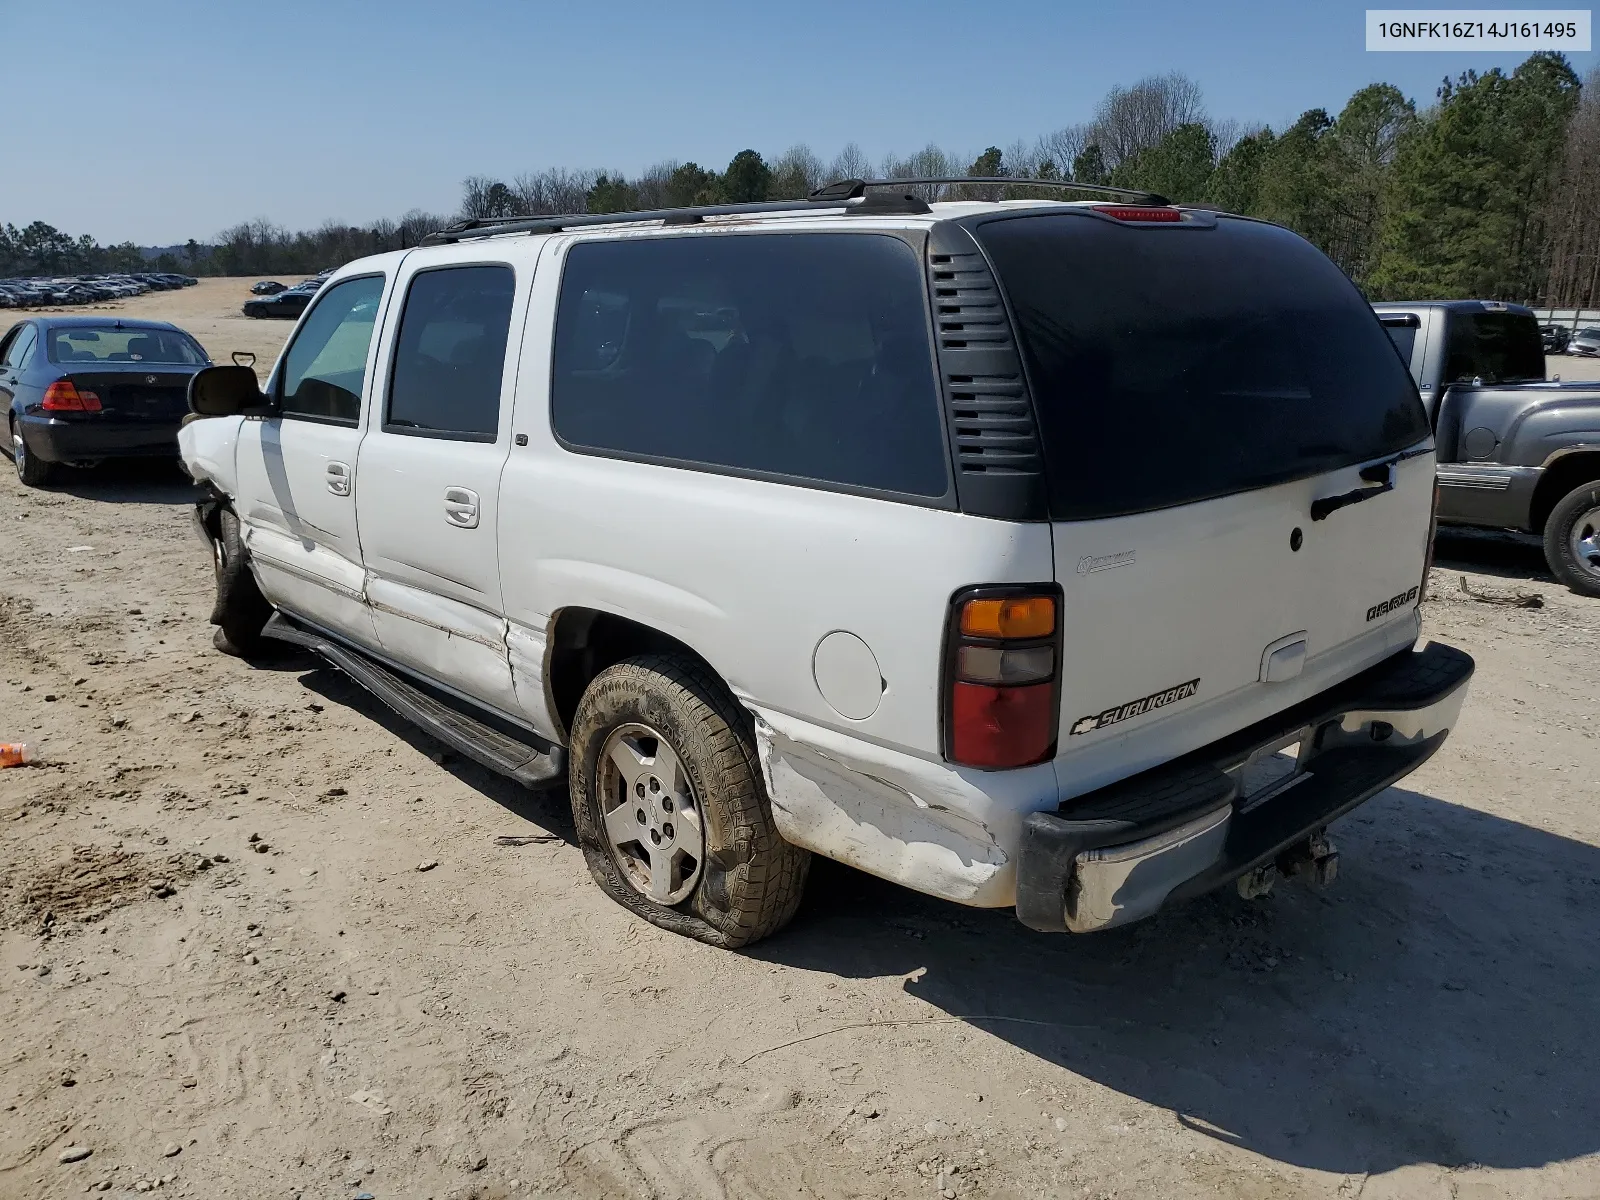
222,964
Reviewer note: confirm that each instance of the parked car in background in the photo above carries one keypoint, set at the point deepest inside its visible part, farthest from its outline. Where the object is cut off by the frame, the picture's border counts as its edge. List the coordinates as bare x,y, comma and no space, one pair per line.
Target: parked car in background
1515,451
268,287
287,304
1555,338
1585,343
44,291
77,390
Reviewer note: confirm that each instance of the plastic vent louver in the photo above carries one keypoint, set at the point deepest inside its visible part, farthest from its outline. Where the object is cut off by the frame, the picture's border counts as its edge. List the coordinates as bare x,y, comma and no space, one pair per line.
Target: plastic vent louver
999,467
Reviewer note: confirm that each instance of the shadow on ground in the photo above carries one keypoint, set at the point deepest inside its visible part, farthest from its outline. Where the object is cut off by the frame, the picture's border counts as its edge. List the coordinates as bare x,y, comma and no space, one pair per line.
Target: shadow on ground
1492,552
126,481
1435,1006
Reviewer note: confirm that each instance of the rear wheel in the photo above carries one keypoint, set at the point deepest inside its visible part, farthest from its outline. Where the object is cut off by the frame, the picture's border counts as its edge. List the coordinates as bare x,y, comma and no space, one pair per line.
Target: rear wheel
670,806
241,610
34,472
1572,539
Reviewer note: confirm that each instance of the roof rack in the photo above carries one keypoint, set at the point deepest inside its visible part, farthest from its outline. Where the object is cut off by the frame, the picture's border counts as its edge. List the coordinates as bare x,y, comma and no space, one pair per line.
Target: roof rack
849,188
848,194
480,227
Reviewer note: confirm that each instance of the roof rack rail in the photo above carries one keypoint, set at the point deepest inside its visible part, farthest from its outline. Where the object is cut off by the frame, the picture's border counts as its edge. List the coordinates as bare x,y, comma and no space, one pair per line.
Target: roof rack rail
480,227
846,189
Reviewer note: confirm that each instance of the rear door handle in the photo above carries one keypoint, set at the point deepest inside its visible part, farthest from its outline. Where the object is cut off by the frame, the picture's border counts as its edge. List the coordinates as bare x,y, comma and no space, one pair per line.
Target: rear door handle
339,478
461,507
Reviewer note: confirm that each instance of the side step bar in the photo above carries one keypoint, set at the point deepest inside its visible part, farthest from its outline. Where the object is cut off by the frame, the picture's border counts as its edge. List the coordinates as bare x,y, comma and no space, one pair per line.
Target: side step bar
499,751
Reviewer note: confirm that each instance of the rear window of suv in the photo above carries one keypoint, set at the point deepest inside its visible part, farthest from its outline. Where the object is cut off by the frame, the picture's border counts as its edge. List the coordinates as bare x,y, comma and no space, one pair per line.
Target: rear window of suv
1173,365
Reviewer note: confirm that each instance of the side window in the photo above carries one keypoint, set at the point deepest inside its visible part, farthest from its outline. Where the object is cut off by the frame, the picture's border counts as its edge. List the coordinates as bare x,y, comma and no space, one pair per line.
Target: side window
325,369
450,354
21,348
798,355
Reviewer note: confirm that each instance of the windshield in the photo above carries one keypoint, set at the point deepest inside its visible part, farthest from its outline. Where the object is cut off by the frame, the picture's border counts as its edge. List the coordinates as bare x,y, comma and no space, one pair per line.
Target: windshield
1172,365
84,344
1494,347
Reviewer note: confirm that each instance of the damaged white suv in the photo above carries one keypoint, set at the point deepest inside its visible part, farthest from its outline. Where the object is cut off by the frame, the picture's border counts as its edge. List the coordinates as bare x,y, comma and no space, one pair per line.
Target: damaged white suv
1057,555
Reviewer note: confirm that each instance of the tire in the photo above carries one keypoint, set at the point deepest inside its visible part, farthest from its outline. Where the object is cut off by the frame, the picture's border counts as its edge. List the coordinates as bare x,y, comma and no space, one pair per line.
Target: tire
1572,539
32,470
747,882
240,610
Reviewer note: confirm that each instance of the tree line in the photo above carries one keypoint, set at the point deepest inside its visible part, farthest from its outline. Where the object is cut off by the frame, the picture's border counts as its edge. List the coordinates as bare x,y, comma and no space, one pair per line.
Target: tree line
1492,191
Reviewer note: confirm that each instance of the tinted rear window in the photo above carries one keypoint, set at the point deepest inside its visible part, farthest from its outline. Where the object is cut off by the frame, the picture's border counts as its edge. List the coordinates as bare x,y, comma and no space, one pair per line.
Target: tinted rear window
805,356
83,344
1494,347
1172,365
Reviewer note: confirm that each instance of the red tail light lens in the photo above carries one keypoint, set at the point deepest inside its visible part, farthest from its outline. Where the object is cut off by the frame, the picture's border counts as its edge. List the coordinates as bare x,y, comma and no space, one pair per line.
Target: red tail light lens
1002,676
63,396
1139,212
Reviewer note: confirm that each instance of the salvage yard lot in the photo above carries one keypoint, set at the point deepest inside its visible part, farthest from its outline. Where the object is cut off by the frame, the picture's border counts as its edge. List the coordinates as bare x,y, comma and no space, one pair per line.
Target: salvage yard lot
311,1014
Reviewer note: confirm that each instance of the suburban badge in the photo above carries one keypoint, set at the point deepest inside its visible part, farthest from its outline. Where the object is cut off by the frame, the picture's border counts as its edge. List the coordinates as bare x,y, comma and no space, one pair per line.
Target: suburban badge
1136,708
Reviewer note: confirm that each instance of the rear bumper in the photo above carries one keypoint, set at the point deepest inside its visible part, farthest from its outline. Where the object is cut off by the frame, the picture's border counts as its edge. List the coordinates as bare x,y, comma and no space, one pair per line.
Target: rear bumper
54,440
1118,854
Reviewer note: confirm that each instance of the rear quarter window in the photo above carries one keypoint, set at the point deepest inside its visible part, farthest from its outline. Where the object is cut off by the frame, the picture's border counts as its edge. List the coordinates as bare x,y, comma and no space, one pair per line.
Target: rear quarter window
801,356
1172,365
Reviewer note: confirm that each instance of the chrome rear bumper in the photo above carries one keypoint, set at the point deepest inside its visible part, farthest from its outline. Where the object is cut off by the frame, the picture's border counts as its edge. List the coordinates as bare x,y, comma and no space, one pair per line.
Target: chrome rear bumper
1118,854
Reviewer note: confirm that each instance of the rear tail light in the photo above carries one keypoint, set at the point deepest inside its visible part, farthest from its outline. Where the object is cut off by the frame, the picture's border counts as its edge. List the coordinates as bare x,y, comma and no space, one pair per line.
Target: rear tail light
1002,676
64,396
1139,212
1427,559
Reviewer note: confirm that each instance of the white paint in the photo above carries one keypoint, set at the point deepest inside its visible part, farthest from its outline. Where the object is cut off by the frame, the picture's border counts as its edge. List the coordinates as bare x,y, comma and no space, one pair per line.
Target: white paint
803,600
208,447
949,831
847,675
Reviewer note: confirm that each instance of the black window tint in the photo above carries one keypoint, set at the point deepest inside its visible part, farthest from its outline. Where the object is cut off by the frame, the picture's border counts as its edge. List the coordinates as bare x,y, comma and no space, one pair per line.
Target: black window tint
1404,338
1175,365
1495,347
451,353
803,355
325,369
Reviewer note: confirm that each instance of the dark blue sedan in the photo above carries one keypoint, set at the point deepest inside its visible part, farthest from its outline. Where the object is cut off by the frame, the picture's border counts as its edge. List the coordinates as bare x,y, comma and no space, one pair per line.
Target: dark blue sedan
77,390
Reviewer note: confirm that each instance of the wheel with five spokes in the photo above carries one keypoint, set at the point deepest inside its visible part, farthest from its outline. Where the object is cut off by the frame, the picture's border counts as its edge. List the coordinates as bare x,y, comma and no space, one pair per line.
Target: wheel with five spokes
670,806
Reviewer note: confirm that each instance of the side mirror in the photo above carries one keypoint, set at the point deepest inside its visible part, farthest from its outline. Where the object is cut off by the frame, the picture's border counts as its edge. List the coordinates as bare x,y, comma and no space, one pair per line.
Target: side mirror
226,392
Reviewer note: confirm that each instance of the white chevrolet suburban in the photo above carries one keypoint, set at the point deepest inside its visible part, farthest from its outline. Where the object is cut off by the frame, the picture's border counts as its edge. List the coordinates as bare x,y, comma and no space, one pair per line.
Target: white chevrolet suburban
1057,555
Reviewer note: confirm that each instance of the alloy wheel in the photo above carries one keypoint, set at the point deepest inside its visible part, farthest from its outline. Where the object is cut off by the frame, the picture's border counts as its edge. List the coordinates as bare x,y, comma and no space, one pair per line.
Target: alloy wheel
652,818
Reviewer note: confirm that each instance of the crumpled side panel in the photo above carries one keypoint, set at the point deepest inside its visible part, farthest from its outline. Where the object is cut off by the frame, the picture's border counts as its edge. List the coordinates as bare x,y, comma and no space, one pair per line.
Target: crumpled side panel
915,833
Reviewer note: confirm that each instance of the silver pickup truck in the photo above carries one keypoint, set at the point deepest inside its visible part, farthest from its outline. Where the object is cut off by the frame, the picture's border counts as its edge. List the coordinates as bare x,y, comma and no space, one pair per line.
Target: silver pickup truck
1516,451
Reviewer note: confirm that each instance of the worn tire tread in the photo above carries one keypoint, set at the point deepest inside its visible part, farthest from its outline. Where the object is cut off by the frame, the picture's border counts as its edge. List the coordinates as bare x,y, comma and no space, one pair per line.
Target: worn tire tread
762,877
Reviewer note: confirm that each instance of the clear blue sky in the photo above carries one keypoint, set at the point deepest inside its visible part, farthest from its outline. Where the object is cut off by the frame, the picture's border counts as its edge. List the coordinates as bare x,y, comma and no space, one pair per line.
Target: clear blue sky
164,120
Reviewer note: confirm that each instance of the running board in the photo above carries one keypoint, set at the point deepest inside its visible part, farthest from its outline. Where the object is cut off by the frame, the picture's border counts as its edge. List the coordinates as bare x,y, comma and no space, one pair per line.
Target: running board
495,749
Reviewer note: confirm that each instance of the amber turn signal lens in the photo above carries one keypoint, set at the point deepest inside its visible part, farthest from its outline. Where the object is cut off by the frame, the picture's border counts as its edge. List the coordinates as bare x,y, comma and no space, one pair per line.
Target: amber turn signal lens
1011,617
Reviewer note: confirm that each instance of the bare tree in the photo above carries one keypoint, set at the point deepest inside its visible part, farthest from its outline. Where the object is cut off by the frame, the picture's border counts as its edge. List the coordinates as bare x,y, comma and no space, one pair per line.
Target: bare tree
1135,118
1573,212
928,163
797,172
1062,147
552,191
850,163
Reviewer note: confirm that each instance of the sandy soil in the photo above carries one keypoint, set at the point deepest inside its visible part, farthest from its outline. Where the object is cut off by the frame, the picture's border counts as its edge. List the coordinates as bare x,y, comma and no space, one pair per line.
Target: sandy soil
221,964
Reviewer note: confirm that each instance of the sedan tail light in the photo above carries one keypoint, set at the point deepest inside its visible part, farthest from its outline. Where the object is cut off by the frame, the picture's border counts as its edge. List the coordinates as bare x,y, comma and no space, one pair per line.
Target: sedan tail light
64,396
1002,676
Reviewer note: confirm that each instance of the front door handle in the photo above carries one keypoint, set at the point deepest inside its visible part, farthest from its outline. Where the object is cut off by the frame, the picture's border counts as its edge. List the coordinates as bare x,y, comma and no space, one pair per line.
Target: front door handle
339,478
461,507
